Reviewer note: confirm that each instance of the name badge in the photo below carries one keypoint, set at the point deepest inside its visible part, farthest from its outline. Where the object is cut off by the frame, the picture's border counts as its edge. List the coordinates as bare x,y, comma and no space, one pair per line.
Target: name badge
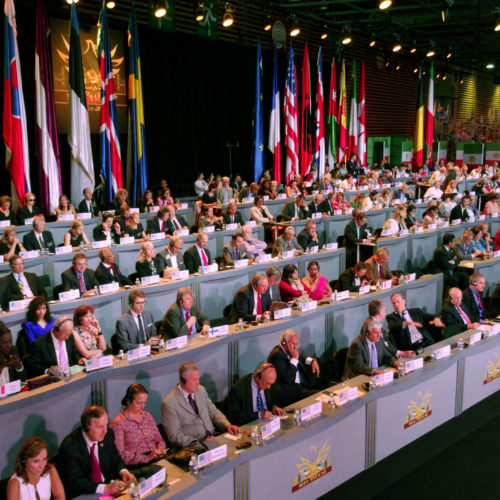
176,343
99,244
212,268
98,363
65,217
150,280
287,254
180,275
129,240
231,227
32,254
282,313
251,223
139,352
209,229
332,246
109,287
414,364
157,236
314,249
19,305
212,456
218,331
240,263
270,428
364,289
64,249
84,216
10,388
69,295
308,306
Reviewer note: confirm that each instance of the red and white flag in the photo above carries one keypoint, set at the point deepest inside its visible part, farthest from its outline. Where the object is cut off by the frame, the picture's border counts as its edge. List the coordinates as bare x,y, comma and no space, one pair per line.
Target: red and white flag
274,123
319,150
291,119
352,147
362,121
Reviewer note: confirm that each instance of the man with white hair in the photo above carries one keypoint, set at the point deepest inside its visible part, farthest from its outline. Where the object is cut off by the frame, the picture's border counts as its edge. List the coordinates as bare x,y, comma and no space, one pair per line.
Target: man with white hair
224,193
455,316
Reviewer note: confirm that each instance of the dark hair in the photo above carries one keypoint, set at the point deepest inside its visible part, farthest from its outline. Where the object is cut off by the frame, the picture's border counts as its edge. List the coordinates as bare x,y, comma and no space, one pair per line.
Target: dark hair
313,263
212,185
237,235
375,306
258,198
448,238
89,413
135,294
35,304
29,449
106,215
359,266
80,312
132,390
288,270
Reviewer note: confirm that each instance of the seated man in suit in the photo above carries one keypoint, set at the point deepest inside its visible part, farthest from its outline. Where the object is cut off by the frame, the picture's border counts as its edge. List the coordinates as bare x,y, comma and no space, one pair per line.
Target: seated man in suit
407,327
326,206
273,275
353,278
197,255
136,326
287,241
495,303
248,193
251,397
54,350
224,193
79,277
19,285
377,267
39,238
235,250
297,374
402,194
252,301
11,367
183,317
473,299
88,461
309,236
231,215
253,246
455,316
367,353
107,271
170,259
88,205
446,261
296,209
174,221
158,223
316,203
460,211
355,232
187,413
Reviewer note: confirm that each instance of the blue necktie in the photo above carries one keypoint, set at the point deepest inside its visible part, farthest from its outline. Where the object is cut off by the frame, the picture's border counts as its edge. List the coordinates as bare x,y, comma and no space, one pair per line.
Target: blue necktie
260,403
373,356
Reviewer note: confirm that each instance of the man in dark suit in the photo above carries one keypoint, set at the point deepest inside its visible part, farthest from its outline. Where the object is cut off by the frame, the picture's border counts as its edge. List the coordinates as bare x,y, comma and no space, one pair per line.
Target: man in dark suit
79,277
309,236
296,209
446,261
251,397
273,275
158,223
197,255
495,303
408,327
88,205
326,206
88,460
367,353
136,326
287,242
460,211
355,231
19,285
297,374
402,194
9,358
107,271
54,350
174,221
246,301
377,267
316,203
231,215
184,317
473,299
171,258
353,278
455,316
248,192
39,238
235,250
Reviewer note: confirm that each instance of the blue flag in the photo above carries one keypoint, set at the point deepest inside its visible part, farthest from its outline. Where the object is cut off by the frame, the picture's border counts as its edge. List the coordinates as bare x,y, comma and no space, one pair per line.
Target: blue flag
258,155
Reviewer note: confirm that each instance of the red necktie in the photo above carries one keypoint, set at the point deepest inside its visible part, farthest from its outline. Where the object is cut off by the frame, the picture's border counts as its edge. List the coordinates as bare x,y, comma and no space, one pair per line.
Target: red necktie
289,246
96,469
464,316
162,227
204,257
82,283
187,315
381,272
259,304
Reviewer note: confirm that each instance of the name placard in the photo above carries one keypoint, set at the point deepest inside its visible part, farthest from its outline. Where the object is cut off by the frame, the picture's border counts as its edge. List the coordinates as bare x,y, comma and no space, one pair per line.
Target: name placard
403,232
493,215
10,388
414,364
387,232
281,196
139,352
33,254
212,455
209,229
386,284
231,227
65,217
176,343
180,275
240,263
343,295
1,259
282,313
218,331
314,249
98,363
154,208
69,295
474,338
311,411
431,226
287,254
5,223
265,257
152,482
212,268
445,223
442,352
308,306
99,244
337,212
182,206
128,240
332,246
496,253
270,428
28,222
182,232
157,236
266,197
341,398
109,287
150,280
64,249
384,378
84,216
316,215
352,393
419,229
251,223
19,305
364,289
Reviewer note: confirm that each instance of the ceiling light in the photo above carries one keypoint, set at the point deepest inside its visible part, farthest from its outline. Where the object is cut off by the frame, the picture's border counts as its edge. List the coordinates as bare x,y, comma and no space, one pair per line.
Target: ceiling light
461,81
450,53
159,8
110,4
346,39
398,67
413,50
372,43
438,75
490,66
199,13
384,4
415,70
324,34
444,77
431,53
227,18
397,47
76,1
346,34
295,28
267,24
497,25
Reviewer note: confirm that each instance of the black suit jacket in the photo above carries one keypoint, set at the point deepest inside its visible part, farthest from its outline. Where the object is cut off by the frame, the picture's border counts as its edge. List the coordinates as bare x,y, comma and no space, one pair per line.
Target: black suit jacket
170,225
74,465
325,207
305,240
458,212
13,373
12,290
23,213
400,336
103,276
452,319
313,208
153,226
144,268
470,304
351,235
243,304
30,242
442,258
192,259
82,208
346,281
288,211
99,235
70,279
226,218
495,303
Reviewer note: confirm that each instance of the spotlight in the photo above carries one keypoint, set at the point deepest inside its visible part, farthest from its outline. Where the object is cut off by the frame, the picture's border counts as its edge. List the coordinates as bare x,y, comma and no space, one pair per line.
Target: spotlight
397,47
346,39
159,8
497,25
384,4
438,76
346,34
227,18
413,50
110,4
449,54
372,43
398,67
267,23
295,28
444,77
490,66
199,13
431,53
76,1
324,34
461,81
415,70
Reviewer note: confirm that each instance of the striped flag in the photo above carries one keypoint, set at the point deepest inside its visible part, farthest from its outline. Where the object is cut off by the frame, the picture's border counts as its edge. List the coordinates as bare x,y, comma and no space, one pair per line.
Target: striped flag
333,125
418,142
342,116
353,116
274,123
429,116
82,163
49,167
306,117
291,119
362,121
258,146
137,172
14,130
111,163
319,150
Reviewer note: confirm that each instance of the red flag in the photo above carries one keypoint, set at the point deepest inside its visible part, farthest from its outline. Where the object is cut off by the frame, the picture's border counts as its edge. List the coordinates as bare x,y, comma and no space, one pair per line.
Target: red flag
306,116
362,121
418,143
332,118
429,116
353,116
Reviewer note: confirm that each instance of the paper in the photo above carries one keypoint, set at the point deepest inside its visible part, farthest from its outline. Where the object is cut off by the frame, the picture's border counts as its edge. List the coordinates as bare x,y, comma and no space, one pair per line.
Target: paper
64,249
232,437
98,363
282,313
270,428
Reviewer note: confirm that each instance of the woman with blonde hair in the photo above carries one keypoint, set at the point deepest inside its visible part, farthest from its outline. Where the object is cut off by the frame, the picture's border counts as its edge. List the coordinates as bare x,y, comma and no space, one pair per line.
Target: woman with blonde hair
146,264
75,236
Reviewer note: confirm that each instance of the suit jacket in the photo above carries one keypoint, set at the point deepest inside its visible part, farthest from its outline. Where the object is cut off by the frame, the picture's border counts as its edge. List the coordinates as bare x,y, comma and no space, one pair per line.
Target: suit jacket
30,241
98,234
400,336
372,272
12,290
469,302
82,208
313,208
103,276
281,245
458,212
229,253
13,373
192,259
384,336
351,235
42,354
23,213
305,240
238,405
162,260
127,331
495,303
244,303
358,357
182,424
274,293
442,256
144,268
325,207
347,281
288,211
74,465
171,227
70,279
226,218
153,225
452,319
219,194
174,325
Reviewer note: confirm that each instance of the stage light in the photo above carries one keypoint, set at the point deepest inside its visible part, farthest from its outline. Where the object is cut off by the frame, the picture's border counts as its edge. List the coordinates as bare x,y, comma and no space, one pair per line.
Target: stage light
72,1
267,23
324,33
397,47
384,4
431,53
372,43
110,4
199,13
294,26
159,8
227,18
497,25
490,66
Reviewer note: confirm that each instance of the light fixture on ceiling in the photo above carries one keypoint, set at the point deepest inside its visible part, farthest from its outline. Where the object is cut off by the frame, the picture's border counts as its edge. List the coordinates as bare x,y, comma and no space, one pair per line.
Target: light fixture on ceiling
294,26
199,13
449,53
372,43
444,77
384,4
497,25
159,8
415,70
227,18
413,50
71,1
110,4
490,66
438,75
431,53
445,9
346,34
398,67
461,82
324,33
267,23
397,47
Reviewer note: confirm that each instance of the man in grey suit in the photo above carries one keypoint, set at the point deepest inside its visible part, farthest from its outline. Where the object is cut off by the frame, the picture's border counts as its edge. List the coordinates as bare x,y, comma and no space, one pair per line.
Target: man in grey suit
235,250
171,259
187,413
273,274
224,193
286,242
136,326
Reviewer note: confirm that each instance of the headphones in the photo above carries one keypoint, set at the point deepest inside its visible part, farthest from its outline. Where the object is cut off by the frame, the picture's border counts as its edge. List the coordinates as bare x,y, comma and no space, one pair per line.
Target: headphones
182,380
473,283
262,369
58,326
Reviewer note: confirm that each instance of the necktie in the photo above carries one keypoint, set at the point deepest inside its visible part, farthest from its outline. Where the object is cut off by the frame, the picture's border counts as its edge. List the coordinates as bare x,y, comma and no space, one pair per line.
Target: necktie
260,402
188,315
232,219
176,223
193,404
415,334
373,356
259,304
204,257
463,315
162,226
142,333
381,272
20,283
82,283
96,469
289,246
479,305
41,242
63,360
237,252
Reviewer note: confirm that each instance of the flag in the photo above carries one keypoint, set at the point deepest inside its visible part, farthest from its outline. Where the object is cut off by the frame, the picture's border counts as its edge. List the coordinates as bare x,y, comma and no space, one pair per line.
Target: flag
111,163
14,129
362,121
49,167
137,172
332,118
352,147
306,120
418,142
291,118
274,123
319,150
429,116
342,116
258,146
82,164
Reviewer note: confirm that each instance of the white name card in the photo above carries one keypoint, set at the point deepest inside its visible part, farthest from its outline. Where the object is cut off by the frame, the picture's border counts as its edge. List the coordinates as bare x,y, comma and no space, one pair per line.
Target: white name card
1,259
494,330
19,305
180,275
134,211
341,190
129,240
411,277
282,313
386,284
431,226
139,352
33,254
343,295
212,268
419,229
418,200
152,482
10,388
84,215
342,398
69,295
251,223
209,229
314,249
493,214
154,208
98,363
337,212
182,232
332,246
182,206
496,253
65,217
311,411
474,338
4,223
316,215
99,244
456,222
240,263
64,249
387,232
270,428
150,280
265,257
28,222
212,455
109,287
364,289
249,199
308,306
352,393
218,331
176,343
445,223
157,236
442,352
384,378
414,364
231,227
287,254
281,196
266,197
403,232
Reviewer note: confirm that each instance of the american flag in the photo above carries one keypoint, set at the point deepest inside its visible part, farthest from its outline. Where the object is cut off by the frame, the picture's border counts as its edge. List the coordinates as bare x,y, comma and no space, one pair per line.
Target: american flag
291,119
319,151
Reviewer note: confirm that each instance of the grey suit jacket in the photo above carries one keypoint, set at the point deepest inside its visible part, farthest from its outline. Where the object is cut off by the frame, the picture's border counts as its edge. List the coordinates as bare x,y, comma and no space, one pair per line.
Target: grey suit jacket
281,245
372,273
162,260
219,194
182,424
127,332
229,253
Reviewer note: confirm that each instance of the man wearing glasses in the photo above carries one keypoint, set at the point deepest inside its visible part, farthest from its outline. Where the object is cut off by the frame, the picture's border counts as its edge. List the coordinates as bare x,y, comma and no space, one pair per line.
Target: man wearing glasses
171,259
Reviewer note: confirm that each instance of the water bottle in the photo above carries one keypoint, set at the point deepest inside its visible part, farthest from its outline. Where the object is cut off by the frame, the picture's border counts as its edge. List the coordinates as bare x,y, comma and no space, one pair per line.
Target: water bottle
121,356
334,296
460,344
137,282
240,324
331,400
96,290
162,344
296,417
401,369
193,464
133,491
66,374
255,435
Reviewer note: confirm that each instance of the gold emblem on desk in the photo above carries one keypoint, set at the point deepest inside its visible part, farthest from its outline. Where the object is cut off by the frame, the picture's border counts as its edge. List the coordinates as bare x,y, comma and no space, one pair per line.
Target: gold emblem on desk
492,370
419,411
309,470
